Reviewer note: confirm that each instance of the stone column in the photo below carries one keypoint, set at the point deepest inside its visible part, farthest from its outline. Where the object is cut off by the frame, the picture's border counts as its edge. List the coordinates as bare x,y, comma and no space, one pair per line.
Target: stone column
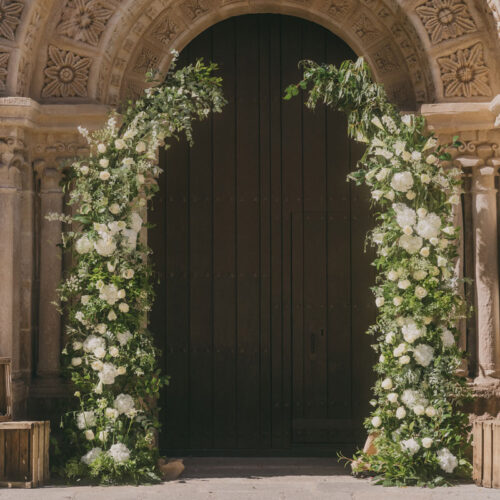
50,265
484,216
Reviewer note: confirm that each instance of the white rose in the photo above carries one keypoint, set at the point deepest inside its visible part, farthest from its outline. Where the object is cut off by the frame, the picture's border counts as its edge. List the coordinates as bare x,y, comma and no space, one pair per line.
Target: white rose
123,307
101,328
430,411
97,365
441,261
424,252
404,360
427,442
76,361
431,159
84,169
392,397
379,301
103,436
393,275
120,144
423,354
77,346
420,292
89,434
411,195
390,195
122,293
404,284
141,147
104,175
425,178
100,352
419,274
112,315
434,241
83,245
387,384
419,410
114,351
121,370
128,273
111,267
401,412
376,421
85,299
101,148
103,162
111,413
105,246
114,208
410,445
397,301
407,230
422,212
406,155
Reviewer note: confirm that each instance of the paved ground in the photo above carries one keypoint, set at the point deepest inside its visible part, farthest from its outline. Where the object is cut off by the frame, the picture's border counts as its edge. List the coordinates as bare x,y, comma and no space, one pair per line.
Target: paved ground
259,479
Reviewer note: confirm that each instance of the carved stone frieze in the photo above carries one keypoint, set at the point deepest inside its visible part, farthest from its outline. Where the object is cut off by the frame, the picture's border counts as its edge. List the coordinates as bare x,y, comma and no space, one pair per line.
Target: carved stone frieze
194,8
365,29
10,17
84,20
66,74
146,60
446,19
464,73
386,59
4,62
165,31
337,8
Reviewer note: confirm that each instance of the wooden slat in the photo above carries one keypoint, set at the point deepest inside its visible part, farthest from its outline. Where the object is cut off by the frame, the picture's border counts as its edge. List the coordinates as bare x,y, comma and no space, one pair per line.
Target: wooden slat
24,456
495,483
3,453
35,453
477,470
12,455
487,454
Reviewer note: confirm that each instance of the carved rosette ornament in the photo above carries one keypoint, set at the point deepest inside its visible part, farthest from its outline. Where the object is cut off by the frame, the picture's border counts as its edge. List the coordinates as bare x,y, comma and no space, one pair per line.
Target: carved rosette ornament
10,17
84,20
66,74
445,19
464,73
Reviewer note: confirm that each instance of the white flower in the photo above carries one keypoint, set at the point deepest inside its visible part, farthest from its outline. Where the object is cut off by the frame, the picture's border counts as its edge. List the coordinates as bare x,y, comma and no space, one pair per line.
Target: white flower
85,299
407,119
100,352
447,338
123,337
121,370
389,338
85,419
427,320
425,178
419,409
406,155
441,261
89,457
422,212
104,163
387,384
393,275
379,301
404,284
84,169
112,315
411,244
111,413
127,162
427,442
109,293
382,174
389,195
111,267
416,155
377,194
130,239
120,144
119,452
402,181
114,208
128,273
384,153
83,245
376,121
430,411
420,292
431,143
423,354
429,226
103,436
411,195
411,397
400,413
399,350
376,421
141,147
105,246
135,221
101,328
108,374
404,360
399,147
411,331
454,199
434,241
410,445
89,434
405,216
77,346
381,358
424,252
419,274
378,238
443,243
123,307
392,397
97,365
114,351
397,301
431,159
101,148
122,293
76,361
124,403
447,461
92,342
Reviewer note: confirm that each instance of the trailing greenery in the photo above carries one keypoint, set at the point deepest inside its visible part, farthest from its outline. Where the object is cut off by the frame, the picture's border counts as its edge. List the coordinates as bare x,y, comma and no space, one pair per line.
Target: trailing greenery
422,432
110,356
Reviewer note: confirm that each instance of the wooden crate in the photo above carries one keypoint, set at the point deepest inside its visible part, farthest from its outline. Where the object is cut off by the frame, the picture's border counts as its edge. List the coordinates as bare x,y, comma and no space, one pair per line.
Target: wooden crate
5,390
486,462
24,454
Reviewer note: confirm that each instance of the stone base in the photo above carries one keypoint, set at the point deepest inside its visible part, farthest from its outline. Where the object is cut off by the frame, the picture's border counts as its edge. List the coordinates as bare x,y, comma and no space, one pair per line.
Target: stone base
486,403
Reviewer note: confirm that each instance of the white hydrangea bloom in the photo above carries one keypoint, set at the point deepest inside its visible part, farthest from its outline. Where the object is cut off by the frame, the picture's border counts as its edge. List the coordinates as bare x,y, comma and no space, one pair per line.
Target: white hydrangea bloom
85,419
429,226
405,216
447,461
124,403
83,245
130,239
402,181
423,354
105,245
123,337
119,452
412,397
135,221
89,457
411,331
93,342
447,338
411,244
410,445
107,374
109,293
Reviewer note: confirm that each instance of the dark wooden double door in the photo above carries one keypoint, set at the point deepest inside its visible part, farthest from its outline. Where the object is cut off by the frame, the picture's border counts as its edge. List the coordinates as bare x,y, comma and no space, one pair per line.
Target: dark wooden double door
264,285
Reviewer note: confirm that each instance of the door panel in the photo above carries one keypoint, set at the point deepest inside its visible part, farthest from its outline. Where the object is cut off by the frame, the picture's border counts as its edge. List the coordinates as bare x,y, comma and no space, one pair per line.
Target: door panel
253,244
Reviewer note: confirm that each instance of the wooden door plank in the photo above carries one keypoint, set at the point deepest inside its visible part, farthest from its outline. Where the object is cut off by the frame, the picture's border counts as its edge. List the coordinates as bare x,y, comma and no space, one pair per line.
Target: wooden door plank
3,454
200,268
248,229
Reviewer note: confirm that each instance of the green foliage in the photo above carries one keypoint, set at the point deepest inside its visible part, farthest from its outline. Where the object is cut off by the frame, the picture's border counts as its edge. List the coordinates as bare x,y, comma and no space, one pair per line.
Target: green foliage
110,355
422,431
